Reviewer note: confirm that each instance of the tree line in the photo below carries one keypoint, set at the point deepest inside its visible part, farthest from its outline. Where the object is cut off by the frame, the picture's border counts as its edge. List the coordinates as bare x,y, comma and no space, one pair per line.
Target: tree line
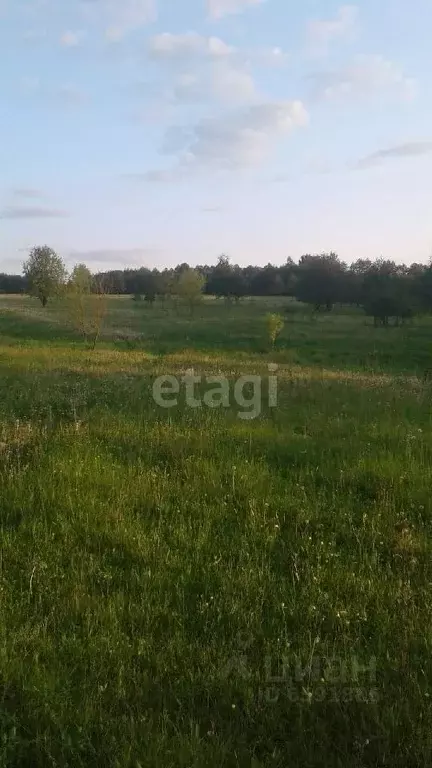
387,291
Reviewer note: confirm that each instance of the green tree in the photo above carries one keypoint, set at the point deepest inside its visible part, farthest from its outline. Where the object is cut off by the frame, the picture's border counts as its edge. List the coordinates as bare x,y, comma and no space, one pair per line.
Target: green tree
320,280
390,293
87,303
226,280
80,279
189,286
45,273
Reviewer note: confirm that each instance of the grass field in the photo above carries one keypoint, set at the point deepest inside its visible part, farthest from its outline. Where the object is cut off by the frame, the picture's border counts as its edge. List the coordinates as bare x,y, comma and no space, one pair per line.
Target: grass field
182,587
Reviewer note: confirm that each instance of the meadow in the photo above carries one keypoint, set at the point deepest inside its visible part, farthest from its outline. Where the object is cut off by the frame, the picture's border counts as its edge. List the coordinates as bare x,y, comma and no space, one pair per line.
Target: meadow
183,588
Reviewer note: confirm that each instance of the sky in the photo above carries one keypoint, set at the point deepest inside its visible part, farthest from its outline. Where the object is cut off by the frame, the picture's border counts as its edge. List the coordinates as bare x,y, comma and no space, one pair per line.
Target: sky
154,132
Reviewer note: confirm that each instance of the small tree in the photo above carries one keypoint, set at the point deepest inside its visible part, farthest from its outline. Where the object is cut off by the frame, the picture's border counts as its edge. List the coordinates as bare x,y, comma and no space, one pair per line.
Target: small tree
99,308
320,280
87,303
45,273
81,279
189,287
275,325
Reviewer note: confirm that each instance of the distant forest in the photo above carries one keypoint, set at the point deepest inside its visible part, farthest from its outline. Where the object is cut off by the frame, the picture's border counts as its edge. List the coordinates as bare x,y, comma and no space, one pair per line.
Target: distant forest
383,288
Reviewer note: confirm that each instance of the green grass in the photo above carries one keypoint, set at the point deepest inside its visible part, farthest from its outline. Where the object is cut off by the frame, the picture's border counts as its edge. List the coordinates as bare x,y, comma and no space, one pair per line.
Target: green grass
154,562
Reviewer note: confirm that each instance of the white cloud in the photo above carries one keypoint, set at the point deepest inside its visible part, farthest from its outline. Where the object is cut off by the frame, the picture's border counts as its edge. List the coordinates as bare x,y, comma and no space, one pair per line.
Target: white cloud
204,68
232,85
242,139
365,76
188,87
217,9
269,56
191,44
119,16
221,82
322,32
70,39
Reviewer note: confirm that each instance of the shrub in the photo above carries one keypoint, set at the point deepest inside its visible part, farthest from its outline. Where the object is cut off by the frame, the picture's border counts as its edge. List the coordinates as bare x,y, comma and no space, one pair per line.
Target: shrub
275,325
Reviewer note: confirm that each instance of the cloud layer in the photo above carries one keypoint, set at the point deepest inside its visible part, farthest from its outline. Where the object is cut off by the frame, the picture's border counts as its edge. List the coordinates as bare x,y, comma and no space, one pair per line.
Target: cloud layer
410,149
119,17
194,68
32,212
364,76
243,139
106,256
27,192
217,9
168,46
321,33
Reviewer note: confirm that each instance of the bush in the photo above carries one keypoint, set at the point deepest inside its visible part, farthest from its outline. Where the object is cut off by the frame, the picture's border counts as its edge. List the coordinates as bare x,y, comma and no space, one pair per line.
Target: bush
275,325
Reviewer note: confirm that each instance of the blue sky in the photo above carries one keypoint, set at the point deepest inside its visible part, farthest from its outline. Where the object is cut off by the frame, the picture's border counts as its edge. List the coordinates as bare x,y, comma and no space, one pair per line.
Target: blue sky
151,132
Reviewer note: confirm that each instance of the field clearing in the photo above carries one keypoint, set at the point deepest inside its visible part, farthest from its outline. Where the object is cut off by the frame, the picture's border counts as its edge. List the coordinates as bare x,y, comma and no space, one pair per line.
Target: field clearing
160,567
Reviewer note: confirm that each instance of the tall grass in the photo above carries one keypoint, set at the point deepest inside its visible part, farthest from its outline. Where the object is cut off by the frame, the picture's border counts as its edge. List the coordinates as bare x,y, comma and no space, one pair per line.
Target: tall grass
182,588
